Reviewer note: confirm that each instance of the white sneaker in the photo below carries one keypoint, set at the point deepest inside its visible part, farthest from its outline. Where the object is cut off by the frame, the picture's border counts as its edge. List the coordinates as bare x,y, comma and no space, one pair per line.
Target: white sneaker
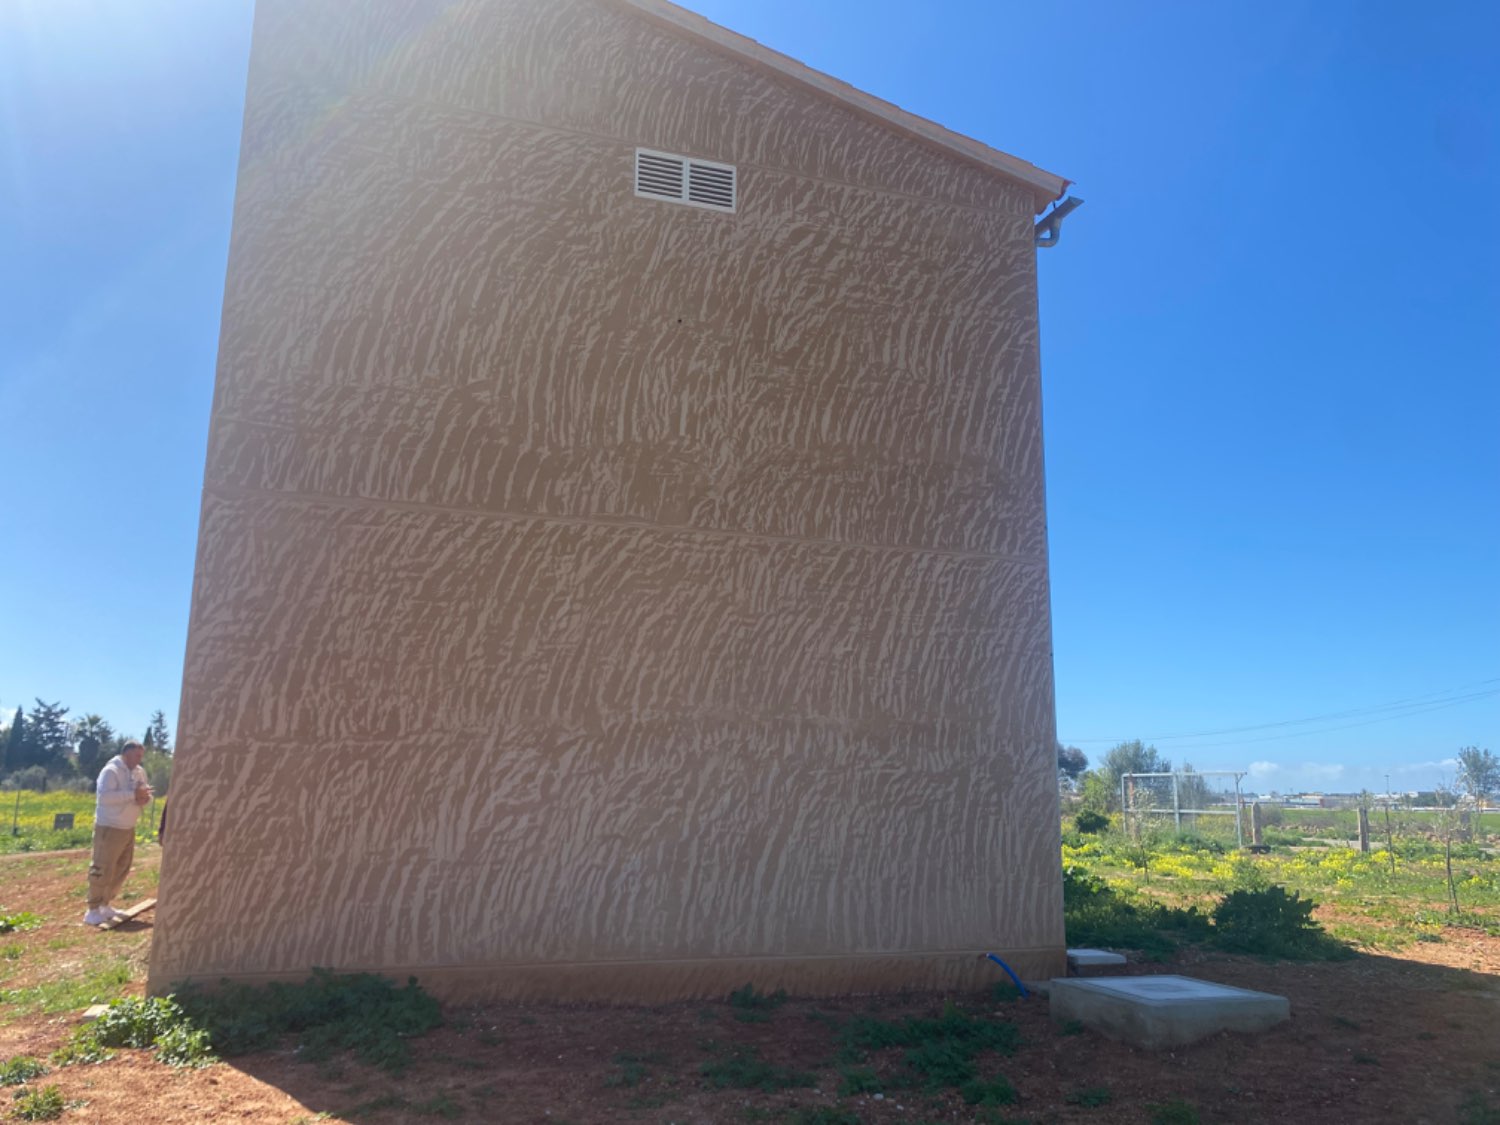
112,912
97,916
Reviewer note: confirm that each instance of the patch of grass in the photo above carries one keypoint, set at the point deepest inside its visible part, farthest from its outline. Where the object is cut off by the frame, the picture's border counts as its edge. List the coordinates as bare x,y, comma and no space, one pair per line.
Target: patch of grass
329,1012
40,1105
1176,1112
1344,1022
858,1080
632,1068
440,1105
750,1006
21,1069
1071,1027
994,1091
939,1051
823,1115
1004,992
377,1105
1477,1110
100,984
1090,1097
745,1070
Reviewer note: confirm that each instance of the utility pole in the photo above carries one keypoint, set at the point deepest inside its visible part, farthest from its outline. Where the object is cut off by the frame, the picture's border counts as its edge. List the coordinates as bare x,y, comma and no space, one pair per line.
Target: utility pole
1390,843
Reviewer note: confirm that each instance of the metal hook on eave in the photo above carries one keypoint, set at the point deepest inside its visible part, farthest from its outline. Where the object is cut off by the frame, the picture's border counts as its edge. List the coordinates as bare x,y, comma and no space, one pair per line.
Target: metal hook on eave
1048,227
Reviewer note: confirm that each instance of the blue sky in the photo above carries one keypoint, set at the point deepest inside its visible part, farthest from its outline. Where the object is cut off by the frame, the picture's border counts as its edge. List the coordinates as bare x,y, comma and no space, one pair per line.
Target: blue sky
1271,350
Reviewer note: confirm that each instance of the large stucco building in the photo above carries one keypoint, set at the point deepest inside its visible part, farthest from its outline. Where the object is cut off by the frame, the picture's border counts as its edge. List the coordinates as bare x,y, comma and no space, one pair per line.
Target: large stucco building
623,564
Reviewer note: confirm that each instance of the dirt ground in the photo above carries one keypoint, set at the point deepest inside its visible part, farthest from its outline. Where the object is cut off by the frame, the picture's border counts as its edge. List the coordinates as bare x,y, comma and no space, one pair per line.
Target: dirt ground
1413,1037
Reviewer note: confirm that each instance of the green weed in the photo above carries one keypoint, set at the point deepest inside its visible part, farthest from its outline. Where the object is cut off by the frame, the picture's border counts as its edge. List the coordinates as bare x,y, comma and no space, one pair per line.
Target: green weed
329,1013
18,920
1173,1113
156,1022
858,1080
1090,1097
20,1069
440,1105
40,1105
745,1070
750,1006
1477,1110
995,1091
823,1115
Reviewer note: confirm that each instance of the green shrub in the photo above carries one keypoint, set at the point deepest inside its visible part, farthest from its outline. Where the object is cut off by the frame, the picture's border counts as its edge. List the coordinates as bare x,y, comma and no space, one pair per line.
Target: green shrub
1090,822
1274,923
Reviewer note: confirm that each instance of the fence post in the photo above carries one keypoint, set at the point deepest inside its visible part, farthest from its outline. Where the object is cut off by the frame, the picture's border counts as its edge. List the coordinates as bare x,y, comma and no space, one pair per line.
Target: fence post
1364,829
1255,825
1176,806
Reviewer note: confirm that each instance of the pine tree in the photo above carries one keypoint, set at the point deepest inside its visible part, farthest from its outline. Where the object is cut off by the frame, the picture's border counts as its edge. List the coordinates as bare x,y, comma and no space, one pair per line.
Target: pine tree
94,736
16,750
157,737
49,744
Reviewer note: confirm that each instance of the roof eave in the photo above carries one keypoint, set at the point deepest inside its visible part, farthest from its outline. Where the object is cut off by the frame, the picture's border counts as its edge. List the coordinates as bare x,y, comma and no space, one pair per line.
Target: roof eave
1045,187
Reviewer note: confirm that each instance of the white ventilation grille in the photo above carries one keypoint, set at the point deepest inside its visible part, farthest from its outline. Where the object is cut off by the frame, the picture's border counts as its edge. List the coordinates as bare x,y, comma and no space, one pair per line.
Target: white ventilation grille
698,183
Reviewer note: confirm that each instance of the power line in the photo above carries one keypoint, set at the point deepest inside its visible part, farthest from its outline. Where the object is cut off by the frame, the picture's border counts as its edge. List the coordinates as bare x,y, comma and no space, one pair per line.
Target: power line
1414,705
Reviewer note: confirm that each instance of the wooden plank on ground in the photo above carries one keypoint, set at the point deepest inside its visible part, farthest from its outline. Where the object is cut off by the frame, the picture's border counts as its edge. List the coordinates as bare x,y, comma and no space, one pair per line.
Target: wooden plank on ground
129,915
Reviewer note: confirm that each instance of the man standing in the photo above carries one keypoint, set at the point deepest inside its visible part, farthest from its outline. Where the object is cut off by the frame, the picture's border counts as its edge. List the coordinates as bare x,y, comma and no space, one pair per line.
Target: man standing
121,792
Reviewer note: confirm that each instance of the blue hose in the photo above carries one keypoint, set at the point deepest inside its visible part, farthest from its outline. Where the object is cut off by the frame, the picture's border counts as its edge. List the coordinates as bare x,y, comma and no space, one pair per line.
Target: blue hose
1009,972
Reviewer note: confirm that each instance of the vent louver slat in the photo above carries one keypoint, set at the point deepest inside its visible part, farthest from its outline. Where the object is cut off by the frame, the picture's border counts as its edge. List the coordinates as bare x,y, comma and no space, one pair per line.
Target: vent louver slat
697,183
657,175
711,186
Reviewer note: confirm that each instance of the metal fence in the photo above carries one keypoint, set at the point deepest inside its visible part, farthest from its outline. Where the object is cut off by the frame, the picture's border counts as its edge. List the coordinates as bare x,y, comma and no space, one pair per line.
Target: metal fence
1181,798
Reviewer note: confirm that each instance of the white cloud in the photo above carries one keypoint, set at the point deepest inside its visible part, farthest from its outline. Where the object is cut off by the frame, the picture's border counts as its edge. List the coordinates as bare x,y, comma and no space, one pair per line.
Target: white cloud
1264,769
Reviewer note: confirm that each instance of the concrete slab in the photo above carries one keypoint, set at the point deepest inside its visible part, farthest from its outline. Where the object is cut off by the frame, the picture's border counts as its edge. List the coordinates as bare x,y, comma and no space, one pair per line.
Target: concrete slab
1085,962
1163,1011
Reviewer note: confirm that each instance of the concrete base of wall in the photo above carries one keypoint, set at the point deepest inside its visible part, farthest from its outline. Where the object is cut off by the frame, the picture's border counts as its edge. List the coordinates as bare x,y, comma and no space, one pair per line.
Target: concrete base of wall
652,982
1164,1011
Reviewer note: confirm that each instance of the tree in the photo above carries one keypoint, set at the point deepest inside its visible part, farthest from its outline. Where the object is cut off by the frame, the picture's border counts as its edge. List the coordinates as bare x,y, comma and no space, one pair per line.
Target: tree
1130,757
1071,762
157,737
1479,777
94,736
49,742
17,752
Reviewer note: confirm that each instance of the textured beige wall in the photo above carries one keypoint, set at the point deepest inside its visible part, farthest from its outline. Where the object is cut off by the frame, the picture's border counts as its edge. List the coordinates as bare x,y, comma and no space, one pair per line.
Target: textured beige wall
597,596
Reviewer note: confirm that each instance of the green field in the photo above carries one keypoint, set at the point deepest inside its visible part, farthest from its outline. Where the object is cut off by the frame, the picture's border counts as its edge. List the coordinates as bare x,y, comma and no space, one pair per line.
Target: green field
26,821
1371,900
